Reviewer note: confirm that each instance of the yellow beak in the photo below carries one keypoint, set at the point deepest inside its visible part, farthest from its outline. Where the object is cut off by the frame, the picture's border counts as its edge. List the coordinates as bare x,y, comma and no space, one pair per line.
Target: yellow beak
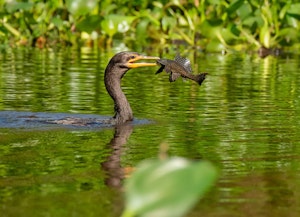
132,62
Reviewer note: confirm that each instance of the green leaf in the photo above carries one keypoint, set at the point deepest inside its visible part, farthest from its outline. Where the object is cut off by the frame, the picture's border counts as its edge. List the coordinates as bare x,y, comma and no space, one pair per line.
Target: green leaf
244,11
217,2
13,6
233,7
58,22
89,24
294,9
81,7
230,33
252,21
168,22
167,188
290,33
116,23
141,31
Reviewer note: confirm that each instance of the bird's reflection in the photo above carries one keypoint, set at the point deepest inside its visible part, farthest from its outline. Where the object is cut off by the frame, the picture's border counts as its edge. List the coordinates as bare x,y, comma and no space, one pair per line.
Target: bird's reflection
112,166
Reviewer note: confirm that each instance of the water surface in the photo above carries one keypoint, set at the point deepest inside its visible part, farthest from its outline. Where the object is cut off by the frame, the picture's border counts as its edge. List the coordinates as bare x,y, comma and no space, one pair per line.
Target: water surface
244,118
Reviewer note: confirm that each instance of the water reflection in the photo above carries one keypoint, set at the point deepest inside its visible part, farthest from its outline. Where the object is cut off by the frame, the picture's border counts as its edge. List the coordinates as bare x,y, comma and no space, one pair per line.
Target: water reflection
52,81
112,165
244,118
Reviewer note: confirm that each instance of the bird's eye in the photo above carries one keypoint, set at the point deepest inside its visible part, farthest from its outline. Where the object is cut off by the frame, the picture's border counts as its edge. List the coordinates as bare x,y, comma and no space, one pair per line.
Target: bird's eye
132,57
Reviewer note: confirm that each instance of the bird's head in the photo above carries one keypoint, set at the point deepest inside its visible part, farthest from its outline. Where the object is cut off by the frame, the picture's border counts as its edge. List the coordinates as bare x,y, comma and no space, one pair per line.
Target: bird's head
123,61
115,70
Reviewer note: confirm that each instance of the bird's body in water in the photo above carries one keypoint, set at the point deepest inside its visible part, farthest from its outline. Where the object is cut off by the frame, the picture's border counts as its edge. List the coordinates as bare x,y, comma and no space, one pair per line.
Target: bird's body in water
179,67
114,72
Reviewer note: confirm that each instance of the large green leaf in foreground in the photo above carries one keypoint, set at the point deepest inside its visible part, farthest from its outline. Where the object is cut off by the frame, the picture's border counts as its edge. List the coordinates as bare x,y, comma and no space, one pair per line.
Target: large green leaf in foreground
167,188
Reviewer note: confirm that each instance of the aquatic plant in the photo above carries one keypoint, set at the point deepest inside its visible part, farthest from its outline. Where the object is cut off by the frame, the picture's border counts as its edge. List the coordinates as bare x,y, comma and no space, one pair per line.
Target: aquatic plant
168,187
207,24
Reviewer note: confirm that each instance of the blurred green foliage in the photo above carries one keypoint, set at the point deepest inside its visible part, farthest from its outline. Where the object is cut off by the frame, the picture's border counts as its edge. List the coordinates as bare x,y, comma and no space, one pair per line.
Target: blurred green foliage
205,24
168,187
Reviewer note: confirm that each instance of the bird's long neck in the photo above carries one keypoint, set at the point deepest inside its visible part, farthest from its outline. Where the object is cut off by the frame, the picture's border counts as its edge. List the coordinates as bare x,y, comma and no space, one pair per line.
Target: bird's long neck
123,110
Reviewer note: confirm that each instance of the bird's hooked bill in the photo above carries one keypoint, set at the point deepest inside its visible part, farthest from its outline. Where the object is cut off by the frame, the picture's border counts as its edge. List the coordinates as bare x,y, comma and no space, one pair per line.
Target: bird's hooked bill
133,64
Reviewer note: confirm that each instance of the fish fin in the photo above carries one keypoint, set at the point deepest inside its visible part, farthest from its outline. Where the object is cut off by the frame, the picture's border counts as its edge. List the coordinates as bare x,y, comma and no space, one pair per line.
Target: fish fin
173,76
186,63
200,78
165,65
162,61
160,69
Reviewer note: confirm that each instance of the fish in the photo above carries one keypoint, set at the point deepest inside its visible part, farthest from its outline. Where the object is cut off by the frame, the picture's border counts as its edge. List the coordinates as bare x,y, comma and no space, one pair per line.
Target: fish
179,67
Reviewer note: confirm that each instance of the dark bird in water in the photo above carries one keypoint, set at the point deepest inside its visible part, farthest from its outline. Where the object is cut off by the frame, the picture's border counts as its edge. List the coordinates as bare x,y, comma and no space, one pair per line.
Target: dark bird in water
114,72
180,66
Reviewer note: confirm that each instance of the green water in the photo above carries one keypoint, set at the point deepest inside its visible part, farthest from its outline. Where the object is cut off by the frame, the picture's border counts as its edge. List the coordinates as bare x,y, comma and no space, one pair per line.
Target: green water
244,118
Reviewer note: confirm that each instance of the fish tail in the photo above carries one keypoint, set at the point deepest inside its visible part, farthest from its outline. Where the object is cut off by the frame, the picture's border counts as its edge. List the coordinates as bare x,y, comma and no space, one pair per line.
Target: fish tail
200,78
